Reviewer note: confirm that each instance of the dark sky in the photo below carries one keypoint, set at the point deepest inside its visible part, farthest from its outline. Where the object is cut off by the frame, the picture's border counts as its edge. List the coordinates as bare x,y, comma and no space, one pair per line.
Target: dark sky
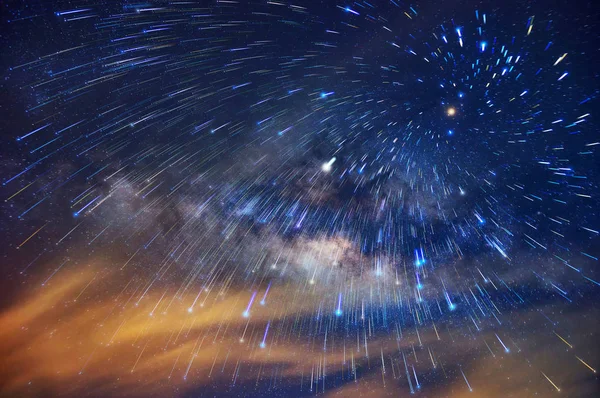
272,198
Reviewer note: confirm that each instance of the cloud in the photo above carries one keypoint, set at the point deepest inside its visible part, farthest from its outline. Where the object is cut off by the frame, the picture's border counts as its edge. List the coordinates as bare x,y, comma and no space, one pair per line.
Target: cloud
109,333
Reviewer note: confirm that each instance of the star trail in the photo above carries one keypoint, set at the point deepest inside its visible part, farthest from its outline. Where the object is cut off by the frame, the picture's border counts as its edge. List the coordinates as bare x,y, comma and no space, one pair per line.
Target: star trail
265,198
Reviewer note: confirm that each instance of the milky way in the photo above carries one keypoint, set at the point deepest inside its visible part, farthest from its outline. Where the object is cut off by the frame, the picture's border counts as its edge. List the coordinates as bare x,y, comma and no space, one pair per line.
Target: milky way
260,198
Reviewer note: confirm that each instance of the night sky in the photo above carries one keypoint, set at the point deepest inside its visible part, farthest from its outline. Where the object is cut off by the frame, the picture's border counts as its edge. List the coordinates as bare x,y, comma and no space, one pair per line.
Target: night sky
289,199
